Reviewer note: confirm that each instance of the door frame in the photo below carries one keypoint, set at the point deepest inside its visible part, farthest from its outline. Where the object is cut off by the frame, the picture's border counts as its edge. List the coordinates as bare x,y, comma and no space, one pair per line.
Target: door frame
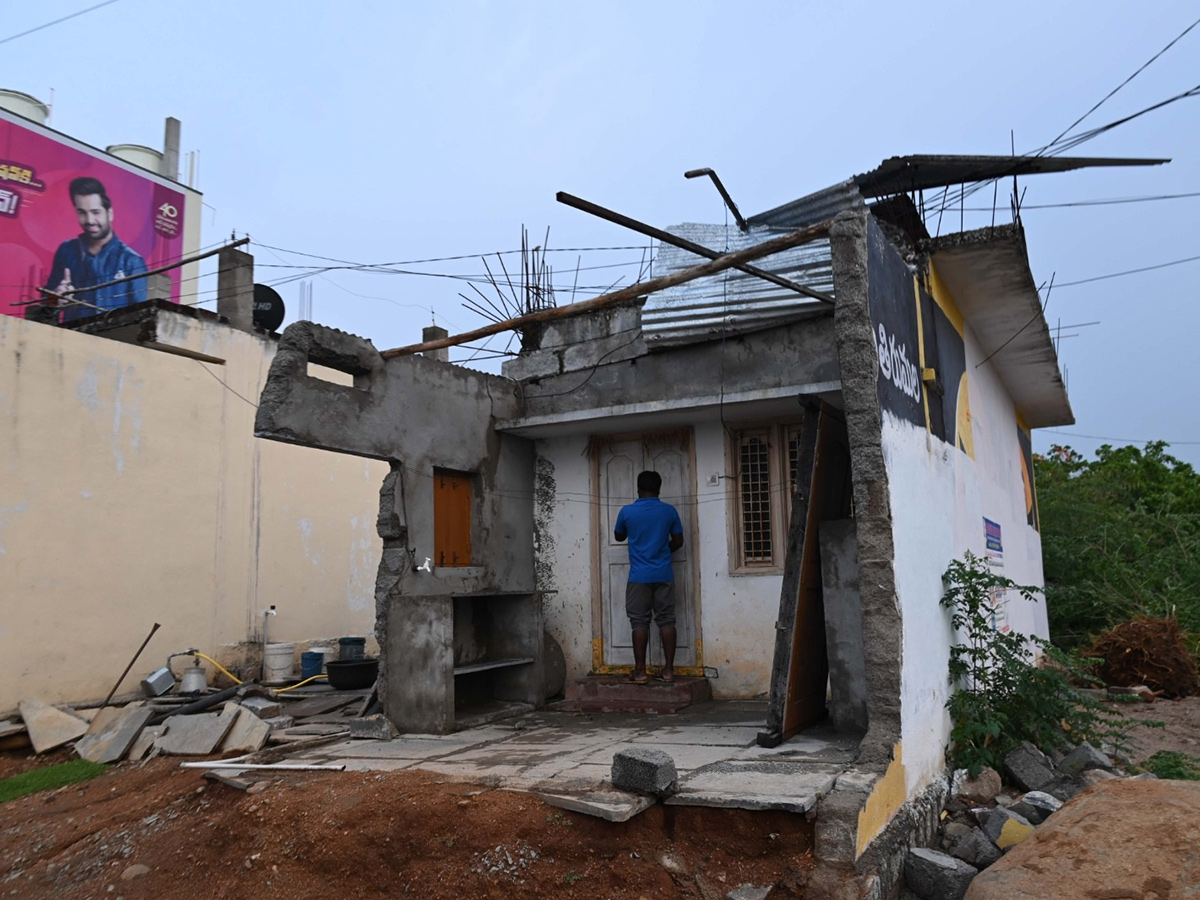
691,523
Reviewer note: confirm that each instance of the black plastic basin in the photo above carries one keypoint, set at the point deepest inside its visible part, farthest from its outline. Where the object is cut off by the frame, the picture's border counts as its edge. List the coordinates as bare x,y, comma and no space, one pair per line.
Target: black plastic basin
352,674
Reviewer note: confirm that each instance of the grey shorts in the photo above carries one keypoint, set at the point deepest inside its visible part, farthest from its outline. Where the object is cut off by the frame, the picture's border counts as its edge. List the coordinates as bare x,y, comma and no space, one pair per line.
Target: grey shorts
642,599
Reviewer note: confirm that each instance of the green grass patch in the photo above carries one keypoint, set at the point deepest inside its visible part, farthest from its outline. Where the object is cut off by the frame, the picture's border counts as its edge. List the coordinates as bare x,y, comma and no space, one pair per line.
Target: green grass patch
49,778
1174,765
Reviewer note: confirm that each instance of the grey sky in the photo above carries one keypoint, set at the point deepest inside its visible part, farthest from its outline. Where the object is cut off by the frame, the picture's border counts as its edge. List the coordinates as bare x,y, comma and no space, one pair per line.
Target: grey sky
381,132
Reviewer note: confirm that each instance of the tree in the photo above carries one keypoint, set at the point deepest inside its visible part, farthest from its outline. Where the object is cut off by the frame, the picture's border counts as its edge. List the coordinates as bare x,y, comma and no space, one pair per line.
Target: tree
1120,538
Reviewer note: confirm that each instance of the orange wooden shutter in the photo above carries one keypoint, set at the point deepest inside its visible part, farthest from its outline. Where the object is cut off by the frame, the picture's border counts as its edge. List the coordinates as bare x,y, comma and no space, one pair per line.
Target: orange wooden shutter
451,519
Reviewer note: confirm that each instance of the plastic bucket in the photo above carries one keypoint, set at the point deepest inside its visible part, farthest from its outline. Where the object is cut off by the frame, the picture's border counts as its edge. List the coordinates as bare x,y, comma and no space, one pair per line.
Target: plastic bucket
326,651
311,663
279,662
351,647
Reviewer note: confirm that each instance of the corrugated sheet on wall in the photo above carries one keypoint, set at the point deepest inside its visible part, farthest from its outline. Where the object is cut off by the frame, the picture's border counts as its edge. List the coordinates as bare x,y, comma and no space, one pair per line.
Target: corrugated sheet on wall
733,301
824,204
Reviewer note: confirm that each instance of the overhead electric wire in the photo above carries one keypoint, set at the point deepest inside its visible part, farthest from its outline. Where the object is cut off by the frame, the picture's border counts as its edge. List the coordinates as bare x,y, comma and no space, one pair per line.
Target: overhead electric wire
1174,262
1100,437
73,15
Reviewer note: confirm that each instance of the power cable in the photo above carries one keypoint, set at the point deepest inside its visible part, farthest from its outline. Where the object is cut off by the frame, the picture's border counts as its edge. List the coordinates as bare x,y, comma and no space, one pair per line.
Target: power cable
1174,262
1100,437
57,21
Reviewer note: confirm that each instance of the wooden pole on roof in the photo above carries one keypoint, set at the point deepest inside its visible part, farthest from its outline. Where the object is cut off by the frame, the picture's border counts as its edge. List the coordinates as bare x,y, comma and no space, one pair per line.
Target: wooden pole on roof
728,261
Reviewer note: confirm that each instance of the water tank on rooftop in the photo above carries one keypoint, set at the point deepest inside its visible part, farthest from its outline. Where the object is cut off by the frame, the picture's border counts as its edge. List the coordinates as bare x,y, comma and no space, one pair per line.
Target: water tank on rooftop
139,155
24,105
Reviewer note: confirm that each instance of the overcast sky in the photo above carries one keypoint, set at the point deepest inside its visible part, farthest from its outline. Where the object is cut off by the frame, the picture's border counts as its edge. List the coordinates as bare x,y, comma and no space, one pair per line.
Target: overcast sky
384,132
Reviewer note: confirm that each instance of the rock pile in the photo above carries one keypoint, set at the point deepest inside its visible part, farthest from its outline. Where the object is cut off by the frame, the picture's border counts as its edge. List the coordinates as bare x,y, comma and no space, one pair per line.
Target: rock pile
982,819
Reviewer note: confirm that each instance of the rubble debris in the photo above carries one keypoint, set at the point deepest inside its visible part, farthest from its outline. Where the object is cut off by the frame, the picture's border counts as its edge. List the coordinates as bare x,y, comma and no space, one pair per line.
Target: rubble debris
144,742
976,849
644,771
373,728
280,723
1006,828
933,874
612,806
116,733
980,789
324,703
50,727
1082,758
1149,652
229,779
1028,767
263,707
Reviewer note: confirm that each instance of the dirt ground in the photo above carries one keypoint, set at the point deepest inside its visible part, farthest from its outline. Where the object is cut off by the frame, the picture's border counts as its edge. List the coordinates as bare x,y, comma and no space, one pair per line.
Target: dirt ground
1180,731
357,835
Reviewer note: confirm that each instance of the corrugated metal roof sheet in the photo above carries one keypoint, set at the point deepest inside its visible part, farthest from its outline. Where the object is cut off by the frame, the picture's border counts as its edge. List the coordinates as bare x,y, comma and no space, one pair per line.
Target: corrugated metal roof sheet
814,208
733,301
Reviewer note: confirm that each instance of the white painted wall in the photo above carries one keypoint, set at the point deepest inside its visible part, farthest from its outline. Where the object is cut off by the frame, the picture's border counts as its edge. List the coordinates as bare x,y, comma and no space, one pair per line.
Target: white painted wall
738,612
133,491
926,479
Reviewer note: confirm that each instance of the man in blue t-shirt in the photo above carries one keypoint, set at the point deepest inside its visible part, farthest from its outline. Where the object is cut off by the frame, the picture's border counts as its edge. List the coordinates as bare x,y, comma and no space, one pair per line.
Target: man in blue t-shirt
654,532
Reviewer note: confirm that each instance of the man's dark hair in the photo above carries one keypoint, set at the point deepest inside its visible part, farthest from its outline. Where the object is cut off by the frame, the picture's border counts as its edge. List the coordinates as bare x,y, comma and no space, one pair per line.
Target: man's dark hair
86,185
649,483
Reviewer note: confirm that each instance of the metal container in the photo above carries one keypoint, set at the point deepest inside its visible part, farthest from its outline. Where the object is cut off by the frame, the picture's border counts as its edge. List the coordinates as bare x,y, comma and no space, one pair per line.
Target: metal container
195,680
158,682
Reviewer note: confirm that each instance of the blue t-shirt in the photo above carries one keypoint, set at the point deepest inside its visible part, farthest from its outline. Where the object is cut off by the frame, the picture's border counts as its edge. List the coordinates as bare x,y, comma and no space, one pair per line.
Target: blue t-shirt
649,524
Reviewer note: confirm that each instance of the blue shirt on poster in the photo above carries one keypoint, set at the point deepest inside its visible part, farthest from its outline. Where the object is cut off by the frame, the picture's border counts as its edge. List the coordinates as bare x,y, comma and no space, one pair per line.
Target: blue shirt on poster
115,260
649,524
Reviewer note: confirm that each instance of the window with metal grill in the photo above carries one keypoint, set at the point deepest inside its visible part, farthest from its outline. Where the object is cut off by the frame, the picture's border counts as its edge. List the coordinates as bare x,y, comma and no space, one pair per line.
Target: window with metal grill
451,518
754,499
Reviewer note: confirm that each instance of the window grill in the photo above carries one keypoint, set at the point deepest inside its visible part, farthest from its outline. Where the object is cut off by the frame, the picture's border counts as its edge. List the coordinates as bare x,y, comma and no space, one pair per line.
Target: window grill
754,482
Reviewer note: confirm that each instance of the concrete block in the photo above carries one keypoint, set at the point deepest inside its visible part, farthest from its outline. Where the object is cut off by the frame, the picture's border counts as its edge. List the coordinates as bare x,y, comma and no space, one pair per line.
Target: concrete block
112,742
1083,758
976,849
279,723
933,875
1006,828
644,771
248,734
49,727
1043,802
262,707
195,735
1033,814
373,728
1028,768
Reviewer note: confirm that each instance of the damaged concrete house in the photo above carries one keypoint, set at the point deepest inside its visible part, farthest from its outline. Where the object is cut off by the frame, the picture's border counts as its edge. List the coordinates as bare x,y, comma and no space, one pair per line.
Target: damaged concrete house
834,428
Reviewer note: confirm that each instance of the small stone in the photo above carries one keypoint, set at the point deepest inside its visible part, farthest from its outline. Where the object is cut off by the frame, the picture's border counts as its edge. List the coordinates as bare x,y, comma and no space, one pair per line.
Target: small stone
1083,758
1006,828
1064,787
672,864
137,870
982,788
976,849
1028,811
952,832
257,788
1037,806
1091,776
937,876
749,892
377,728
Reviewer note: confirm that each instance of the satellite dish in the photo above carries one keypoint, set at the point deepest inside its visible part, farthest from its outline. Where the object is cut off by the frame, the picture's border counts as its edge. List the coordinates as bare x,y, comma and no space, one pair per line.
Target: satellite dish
268,308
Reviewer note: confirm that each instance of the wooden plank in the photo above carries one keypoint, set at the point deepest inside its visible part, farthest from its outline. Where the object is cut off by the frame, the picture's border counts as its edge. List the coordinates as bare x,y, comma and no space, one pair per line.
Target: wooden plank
729,261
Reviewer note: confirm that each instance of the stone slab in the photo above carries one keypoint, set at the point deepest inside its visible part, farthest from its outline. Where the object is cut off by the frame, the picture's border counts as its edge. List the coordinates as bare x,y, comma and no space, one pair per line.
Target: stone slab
49,727
195,735
706,735
612,806
372,765
263,707
315,706
10,727
111,742
248,734
934,875
686,756
143,743
644,770
793,787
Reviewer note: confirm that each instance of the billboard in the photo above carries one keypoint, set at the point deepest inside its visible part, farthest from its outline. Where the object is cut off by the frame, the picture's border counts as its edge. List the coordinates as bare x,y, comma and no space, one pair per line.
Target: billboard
72,217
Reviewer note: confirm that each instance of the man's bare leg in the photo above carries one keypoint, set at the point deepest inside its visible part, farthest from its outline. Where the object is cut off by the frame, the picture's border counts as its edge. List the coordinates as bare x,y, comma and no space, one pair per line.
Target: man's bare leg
668,641
641,637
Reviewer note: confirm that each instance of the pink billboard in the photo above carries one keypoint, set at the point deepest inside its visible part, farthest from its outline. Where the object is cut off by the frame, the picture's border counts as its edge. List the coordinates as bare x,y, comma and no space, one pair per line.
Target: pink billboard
74,220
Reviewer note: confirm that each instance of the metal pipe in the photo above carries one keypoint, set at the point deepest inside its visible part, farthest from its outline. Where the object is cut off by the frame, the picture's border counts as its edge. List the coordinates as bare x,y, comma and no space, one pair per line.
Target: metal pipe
130,666
696,173
282,767
684,244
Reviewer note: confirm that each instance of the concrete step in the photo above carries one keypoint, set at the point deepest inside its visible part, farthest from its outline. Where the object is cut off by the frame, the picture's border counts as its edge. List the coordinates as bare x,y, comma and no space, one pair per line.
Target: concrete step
613,693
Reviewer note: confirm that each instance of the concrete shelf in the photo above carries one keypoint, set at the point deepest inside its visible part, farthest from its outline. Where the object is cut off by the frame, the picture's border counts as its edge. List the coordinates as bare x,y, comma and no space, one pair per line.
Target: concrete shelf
484,665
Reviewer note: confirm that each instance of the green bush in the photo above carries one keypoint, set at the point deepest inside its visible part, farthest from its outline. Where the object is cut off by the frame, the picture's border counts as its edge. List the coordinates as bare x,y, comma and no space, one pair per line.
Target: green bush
1172,764
1002,696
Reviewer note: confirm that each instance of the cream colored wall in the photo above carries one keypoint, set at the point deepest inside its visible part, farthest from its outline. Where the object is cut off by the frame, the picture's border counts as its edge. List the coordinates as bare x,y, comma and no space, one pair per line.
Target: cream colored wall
133,491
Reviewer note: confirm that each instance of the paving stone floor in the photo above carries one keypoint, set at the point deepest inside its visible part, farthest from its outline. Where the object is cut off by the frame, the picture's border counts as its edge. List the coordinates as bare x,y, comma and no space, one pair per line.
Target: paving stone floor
568,757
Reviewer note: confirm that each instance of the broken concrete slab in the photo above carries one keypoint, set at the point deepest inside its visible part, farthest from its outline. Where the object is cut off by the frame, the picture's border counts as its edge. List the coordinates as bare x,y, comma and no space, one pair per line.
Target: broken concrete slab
976,848
794,787
109,743
750,892
248,734
10,727
50,727
377,728
144,742
612,806
645,771
262,707
1028,768
316,706
197,735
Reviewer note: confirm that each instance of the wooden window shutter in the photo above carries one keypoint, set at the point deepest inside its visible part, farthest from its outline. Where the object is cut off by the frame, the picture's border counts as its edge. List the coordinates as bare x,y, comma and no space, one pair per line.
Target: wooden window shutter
451,518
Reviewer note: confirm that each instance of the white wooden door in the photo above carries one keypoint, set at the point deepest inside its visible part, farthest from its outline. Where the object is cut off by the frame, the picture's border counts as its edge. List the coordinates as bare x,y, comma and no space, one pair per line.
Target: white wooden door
618,463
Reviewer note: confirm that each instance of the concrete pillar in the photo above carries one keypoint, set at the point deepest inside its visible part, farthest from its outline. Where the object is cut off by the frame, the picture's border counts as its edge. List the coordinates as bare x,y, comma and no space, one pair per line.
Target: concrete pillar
170,163
436,333
235,288
158,287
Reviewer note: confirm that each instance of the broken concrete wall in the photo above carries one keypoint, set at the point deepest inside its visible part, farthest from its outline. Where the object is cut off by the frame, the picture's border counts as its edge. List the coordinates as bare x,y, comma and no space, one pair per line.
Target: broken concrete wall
134,492
419,414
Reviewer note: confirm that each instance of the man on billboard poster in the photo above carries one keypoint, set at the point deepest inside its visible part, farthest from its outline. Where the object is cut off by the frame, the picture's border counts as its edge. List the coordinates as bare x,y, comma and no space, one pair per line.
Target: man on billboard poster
96,257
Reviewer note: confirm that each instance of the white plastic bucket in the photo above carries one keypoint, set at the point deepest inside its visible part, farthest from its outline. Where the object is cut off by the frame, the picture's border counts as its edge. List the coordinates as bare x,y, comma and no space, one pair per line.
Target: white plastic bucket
279,662
325,650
